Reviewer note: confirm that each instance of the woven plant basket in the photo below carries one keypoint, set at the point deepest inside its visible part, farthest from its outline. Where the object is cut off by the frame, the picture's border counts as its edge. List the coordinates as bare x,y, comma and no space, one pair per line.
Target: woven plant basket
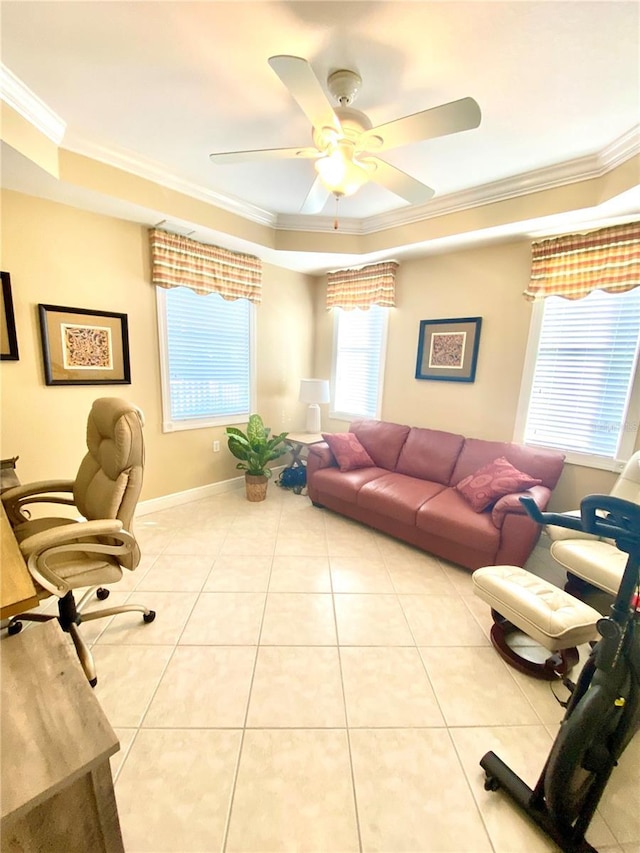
256,487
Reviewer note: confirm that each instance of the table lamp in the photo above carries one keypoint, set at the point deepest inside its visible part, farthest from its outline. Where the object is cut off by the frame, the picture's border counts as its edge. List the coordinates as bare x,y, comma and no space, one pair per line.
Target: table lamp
314,392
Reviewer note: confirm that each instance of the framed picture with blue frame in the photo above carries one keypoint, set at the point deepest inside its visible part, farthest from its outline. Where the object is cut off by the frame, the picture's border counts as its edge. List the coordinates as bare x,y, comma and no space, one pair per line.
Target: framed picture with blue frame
448,349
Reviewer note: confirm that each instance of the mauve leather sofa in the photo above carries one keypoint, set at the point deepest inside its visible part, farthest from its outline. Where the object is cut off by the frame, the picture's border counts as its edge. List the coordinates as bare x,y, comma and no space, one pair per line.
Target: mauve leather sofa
410,491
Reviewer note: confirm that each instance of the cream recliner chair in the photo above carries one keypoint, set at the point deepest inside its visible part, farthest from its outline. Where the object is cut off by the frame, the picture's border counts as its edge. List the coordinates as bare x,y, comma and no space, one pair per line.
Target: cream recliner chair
597,561
63,554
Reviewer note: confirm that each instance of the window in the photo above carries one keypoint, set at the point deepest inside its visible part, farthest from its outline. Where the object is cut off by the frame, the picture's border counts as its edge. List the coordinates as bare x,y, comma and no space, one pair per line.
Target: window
206,358
578,390
358,362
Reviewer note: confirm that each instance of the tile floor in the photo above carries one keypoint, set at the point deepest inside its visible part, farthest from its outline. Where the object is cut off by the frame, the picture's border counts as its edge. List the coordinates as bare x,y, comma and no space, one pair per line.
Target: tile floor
312,685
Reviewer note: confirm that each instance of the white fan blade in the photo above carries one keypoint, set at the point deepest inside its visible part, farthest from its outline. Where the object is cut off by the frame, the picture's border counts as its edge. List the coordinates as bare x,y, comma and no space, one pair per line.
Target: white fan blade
299,78
400,183
264,154
439,121
316,197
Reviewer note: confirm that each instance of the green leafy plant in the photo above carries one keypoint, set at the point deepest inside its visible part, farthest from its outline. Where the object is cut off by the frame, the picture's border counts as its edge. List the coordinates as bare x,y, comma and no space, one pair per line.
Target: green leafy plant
256,448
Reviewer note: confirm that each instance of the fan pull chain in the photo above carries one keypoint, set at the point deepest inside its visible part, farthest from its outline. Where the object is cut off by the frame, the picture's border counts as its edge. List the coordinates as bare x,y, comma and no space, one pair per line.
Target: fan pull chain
335,221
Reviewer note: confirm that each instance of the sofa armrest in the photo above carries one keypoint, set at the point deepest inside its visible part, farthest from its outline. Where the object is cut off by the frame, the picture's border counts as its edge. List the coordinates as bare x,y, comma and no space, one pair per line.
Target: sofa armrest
510,504
320,456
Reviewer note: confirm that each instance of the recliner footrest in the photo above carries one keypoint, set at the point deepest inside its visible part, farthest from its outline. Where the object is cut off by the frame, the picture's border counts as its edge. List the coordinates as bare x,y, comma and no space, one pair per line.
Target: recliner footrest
542,611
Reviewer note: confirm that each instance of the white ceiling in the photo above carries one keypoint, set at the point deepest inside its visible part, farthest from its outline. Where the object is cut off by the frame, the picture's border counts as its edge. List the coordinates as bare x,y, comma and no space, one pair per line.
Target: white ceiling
163,84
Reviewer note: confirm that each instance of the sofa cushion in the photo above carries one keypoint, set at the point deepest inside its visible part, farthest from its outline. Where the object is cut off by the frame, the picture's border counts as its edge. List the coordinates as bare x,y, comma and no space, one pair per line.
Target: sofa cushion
430,454
348,451
344,485
397,496
449,516
493,481
383,441
545,465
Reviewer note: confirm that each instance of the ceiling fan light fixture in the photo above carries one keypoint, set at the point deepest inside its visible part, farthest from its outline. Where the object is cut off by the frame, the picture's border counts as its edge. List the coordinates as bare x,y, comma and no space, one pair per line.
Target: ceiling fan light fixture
340,173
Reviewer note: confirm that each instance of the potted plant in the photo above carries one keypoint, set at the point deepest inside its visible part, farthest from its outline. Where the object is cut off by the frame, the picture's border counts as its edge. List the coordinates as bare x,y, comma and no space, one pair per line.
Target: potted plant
256,449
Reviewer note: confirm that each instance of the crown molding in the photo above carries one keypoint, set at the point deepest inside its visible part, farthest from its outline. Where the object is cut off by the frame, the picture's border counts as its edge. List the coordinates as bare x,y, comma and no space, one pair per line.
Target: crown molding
549,177
25,102
20,98
153,171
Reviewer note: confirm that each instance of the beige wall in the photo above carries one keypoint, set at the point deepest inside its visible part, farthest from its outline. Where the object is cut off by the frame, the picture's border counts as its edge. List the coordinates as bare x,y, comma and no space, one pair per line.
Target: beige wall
63,256
482,282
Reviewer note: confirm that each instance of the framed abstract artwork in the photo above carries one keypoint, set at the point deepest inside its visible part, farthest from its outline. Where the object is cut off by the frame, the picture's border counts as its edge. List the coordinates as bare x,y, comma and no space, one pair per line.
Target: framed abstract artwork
8,337
448,349
84,347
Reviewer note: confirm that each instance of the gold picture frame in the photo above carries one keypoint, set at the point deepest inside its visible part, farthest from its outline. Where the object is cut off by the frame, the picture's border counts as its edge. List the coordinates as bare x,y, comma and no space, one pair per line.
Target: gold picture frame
81,346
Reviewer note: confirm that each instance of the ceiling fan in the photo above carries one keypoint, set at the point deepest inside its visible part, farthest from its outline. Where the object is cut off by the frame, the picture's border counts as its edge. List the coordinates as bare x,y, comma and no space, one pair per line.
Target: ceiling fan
345,144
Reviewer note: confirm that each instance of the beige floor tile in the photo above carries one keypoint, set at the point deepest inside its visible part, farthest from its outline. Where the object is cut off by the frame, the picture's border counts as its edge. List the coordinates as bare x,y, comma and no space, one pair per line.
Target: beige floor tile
371,620
359,574
304,545
130,579
174,790
225,619
524,749
296,574
428,578
248,526
152,537
459,576
412,794
474,688
480,611
203,687
363,545
176,573
239,574
125,736
293,792
441,620
297,687
195,541
172,611
93,628
249,546
127,679
387,687
620,804
298,619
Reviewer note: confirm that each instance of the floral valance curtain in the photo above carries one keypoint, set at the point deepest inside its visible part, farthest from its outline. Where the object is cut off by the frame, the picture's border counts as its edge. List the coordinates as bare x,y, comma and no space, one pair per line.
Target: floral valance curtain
178,261
574,265
371,285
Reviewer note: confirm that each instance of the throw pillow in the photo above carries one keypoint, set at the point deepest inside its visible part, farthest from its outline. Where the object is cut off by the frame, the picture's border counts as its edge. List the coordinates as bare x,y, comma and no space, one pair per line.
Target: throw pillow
349,453
493,481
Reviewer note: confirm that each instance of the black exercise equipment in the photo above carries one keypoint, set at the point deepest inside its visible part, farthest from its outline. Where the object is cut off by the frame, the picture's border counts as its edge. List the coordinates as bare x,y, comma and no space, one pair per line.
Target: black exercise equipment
603,712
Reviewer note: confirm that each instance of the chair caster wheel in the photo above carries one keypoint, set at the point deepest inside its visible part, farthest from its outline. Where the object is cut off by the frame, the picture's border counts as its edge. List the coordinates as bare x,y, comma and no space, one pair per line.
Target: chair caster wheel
491,784
150,616
102,593
93,681
14,628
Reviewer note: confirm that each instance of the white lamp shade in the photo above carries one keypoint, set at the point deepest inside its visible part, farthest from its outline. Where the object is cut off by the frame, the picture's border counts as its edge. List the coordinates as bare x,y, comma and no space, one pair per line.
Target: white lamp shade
314,391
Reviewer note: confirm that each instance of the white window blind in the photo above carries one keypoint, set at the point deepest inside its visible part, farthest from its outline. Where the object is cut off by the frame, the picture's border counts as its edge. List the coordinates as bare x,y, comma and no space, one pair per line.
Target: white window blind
207,343
584,374
358,362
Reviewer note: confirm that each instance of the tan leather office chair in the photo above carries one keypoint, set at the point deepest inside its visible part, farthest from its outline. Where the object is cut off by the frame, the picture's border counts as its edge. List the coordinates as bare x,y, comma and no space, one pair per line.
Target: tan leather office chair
63,554
589,558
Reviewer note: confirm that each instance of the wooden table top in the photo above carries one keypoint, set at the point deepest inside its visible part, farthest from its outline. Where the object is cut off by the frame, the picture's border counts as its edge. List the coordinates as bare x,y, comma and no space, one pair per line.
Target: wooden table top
17,591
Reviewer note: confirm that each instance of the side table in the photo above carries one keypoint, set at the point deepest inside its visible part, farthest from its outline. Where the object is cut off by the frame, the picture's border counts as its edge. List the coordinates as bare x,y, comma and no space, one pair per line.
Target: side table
299,441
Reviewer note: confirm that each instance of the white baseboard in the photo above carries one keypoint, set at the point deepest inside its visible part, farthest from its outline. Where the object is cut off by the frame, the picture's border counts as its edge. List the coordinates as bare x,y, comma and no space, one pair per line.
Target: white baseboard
211,489
177,498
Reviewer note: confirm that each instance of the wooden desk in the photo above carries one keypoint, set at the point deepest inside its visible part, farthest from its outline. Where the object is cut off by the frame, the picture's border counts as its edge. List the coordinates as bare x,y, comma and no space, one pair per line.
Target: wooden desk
17,591
56,786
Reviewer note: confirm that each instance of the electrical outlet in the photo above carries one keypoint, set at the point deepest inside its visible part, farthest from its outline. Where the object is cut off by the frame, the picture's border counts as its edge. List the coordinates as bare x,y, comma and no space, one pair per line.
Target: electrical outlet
216,446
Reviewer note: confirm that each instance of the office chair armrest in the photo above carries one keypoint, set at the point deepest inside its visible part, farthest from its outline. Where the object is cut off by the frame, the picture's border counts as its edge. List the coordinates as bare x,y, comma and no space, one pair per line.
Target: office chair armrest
18,496
40,547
